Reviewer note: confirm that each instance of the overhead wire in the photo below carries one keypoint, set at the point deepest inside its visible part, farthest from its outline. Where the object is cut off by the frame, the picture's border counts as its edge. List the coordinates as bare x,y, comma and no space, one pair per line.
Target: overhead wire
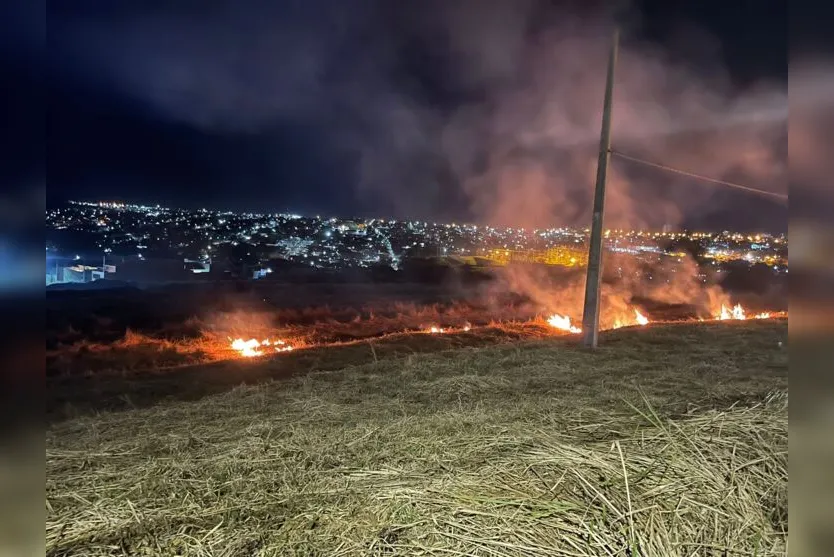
700,176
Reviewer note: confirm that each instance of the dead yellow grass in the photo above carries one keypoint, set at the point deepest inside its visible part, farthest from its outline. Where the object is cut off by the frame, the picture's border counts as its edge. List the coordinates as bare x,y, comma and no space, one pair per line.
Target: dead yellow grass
670,440
138,352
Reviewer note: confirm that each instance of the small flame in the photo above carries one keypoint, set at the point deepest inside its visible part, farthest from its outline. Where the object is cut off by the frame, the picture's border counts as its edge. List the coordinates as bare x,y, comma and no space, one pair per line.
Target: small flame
435,330
562,322
737,312
281,346
252,347
247,348
639,319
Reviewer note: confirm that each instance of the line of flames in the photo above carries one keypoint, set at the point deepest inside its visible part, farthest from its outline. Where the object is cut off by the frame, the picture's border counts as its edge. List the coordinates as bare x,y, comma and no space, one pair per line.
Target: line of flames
253,347
442,330
737,312
564,323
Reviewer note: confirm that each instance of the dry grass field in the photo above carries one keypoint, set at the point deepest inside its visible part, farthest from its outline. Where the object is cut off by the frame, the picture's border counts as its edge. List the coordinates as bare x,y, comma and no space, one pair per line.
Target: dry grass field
669,440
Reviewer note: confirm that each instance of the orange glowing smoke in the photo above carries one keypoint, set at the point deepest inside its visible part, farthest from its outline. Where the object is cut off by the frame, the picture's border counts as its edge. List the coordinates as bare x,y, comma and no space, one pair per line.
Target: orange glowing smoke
252,347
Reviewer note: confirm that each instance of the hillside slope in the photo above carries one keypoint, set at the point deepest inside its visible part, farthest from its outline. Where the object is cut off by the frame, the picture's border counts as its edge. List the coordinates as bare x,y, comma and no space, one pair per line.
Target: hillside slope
669,440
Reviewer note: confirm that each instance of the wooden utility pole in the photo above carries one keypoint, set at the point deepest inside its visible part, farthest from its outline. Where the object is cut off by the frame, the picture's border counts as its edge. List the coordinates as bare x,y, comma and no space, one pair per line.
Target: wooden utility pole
590,316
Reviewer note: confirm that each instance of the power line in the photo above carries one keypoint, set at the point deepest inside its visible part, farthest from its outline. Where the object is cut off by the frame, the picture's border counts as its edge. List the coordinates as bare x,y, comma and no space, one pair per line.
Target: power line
700,177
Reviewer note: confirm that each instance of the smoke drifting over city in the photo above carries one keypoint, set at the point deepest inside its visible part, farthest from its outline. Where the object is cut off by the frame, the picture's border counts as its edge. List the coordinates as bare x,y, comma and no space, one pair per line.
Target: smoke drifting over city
812,115
494,106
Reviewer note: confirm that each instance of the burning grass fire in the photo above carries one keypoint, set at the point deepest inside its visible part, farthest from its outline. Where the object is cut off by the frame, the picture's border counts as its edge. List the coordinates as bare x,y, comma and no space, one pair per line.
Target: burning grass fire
563,322
737,312
435,330
639,319
252,347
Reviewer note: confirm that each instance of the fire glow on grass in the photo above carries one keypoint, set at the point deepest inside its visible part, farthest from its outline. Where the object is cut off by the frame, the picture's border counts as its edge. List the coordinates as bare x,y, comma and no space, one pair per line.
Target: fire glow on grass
639,319
564,323
435,330
737,312
252,347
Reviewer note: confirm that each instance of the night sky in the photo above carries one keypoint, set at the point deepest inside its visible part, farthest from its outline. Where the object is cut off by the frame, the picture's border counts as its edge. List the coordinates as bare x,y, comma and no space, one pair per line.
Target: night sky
321,106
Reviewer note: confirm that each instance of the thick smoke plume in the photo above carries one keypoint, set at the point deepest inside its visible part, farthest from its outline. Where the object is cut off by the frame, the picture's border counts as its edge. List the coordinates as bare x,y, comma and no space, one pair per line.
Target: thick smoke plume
811,133
492,104
621,295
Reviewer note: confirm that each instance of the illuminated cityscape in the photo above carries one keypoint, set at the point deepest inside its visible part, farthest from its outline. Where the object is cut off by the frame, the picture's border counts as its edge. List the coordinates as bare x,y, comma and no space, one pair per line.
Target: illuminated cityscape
86,241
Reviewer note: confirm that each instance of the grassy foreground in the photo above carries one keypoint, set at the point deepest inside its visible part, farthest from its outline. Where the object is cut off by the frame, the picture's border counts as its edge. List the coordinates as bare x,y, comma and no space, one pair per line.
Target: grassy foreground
670,440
